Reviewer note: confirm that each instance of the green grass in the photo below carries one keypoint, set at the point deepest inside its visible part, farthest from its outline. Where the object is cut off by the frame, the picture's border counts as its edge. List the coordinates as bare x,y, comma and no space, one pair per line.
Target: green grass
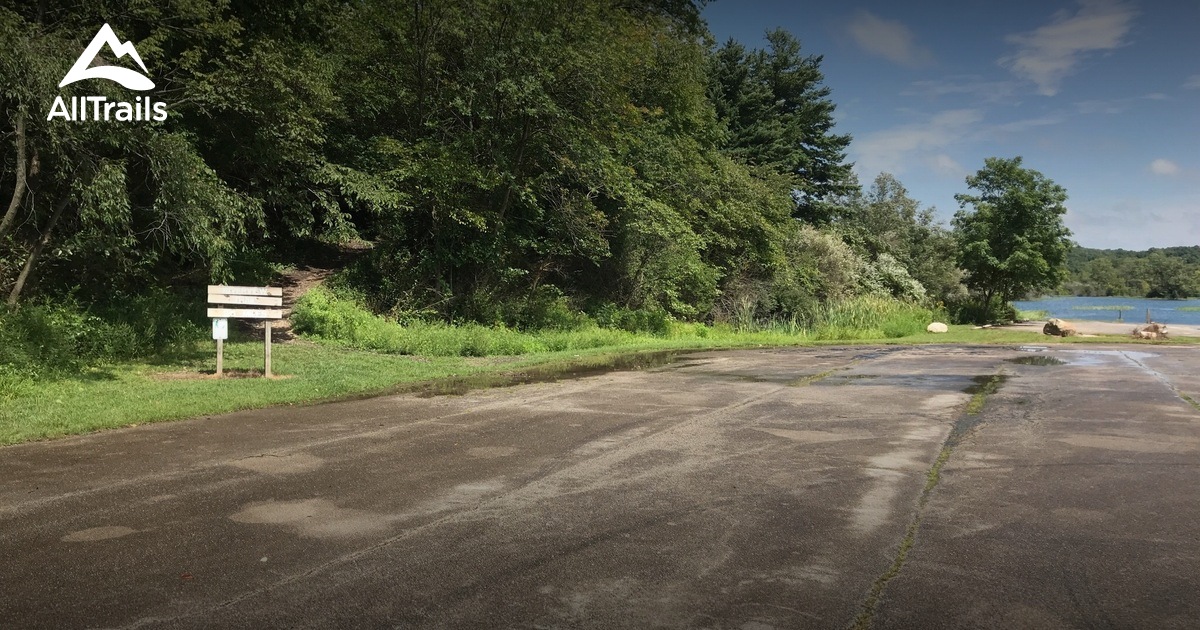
1189,309
1027,316
125,393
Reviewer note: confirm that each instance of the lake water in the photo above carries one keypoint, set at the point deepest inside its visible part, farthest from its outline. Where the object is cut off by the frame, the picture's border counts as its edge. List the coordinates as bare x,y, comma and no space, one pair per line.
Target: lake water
1068,308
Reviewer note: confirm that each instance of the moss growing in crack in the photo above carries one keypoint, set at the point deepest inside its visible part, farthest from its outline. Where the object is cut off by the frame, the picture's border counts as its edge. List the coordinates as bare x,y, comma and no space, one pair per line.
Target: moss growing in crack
984,386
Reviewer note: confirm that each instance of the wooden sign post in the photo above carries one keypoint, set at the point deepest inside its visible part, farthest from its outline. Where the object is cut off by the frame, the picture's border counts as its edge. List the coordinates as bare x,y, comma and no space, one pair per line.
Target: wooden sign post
256,297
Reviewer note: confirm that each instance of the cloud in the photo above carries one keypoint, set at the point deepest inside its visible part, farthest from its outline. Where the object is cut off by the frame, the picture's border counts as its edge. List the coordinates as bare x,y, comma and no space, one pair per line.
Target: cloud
1117,105
1163,166
928,144
973,87
1192,83
1020,126
1132,224
889,39
1048,54
892,150
947,166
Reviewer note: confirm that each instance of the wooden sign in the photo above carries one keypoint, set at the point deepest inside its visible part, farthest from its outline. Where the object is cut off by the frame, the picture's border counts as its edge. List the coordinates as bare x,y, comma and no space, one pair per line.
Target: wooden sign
245,296
224,302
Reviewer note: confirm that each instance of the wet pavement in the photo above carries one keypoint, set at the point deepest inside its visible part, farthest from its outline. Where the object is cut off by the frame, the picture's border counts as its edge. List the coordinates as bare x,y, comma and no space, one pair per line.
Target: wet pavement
898,487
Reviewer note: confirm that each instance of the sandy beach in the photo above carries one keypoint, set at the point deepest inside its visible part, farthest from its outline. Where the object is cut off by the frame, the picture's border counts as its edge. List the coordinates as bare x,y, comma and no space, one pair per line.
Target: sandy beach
1088,327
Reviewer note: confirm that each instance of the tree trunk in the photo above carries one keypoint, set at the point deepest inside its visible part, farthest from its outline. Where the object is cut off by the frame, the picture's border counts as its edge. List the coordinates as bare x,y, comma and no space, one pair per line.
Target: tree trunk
36,252
19,188
987,307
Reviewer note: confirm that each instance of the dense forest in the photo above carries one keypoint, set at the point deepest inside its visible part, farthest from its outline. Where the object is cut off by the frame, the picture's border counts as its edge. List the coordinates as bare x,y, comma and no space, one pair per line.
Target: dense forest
1167,272
514,163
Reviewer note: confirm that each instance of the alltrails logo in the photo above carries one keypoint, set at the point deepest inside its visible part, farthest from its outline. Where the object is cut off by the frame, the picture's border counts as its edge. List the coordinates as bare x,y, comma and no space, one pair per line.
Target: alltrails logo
99,107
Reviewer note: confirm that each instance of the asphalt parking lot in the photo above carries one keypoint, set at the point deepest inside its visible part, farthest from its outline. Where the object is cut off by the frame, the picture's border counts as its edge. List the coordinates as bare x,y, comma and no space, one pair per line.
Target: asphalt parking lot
895,487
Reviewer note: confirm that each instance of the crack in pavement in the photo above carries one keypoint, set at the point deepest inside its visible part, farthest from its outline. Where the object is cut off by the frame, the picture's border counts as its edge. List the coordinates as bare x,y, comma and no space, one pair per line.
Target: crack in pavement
963,427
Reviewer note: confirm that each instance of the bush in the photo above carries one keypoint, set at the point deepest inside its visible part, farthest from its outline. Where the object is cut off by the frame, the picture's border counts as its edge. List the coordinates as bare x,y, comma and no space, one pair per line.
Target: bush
323,314
546,309
654,322
968,310
871,317
47,339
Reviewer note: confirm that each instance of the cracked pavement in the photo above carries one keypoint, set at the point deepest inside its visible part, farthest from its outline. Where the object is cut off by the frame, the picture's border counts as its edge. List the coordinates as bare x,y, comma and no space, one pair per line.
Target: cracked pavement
750,489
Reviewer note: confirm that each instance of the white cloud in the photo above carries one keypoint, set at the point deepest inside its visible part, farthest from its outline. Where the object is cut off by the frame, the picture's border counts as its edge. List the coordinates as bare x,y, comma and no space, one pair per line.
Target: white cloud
973,87
1192,83
1048,54
1020,126
889,39
928,144
893,150
1132,224
1117,105
947,166
1163,166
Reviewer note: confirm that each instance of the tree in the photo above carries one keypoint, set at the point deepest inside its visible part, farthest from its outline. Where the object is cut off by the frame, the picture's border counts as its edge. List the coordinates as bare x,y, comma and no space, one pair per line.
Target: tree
1012,241
779,116
1169,277
1103,278
886,221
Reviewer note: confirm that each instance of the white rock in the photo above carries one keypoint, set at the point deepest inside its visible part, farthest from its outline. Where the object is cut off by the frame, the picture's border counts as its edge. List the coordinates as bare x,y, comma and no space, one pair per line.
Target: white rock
937,327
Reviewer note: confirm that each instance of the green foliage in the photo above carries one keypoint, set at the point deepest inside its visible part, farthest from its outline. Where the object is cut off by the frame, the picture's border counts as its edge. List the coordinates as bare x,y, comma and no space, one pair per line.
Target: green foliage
871,318
887,276
969,310
636,321
539,177
1013,241
43,340
1171,272
779,116
322,314
887,222
1027,316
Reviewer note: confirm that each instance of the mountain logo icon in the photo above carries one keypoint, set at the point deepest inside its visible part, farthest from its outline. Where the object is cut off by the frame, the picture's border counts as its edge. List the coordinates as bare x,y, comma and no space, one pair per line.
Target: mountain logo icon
129,78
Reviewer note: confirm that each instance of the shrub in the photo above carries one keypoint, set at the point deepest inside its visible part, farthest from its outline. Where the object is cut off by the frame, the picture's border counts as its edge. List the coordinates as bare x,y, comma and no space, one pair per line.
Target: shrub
968,310
46,339
871,317
655,322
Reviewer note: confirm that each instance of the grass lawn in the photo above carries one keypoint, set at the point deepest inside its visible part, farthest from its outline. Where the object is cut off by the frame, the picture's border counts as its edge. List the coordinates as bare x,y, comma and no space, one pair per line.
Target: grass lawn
180,387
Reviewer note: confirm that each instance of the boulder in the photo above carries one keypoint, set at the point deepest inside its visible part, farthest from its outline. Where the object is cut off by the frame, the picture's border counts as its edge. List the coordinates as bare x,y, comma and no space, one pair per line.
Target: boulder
937,327
1059,328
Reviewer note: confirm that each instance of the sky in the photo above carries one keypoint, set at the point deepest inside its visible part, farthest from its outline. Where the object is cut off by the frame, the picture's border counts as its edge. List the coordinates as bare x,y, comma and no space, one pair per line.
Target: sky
1101,96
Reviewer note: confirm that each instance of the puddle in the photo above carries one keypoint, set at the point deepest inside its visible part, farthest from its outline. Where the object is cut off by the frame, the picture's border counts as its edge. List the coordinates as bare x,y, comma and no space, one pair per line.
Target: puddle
930,382
987,382
1037,360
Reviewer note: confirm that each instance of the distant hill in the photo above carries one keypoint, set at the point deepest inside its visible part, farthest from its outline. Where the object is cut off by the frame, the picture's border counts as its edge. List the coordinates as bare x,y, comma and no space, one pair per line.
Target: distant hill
1166,272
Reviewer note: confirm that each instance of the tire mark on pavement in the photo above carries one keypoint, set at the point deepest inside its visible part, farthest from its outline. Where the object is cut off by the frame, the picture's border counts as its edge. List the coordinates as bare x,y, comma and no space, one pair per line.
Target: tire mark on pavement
534,489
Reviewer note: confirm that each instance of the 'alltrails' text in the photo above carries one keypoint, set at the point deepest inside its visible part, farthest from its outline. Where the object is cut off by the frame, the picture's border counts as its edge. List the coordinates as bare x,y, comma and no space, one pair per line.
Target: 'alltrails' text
100,108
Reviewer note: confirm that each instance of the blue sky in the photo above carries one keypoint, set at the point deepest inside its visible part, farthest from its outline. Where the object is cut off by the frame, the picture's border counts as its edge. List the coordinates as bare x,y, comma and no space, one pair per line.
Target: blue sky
1102,96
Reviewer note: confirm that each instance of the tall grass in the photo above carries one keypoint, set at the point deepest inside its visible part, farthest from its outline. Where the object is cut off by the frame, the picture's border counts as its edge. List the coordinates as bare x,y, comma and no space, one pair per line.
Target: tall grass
323,314
1032,315
871,318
